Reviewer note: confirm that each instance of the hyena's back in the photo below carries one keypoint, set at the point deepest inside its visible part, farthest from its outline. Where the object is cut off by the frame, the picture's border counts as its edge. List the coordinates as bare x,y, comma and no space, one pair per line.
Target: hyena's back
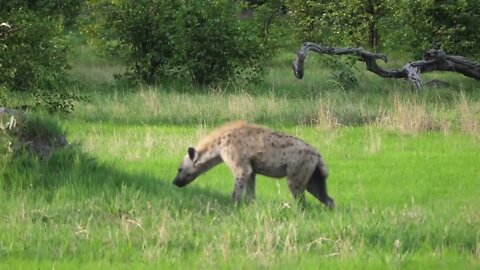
269,152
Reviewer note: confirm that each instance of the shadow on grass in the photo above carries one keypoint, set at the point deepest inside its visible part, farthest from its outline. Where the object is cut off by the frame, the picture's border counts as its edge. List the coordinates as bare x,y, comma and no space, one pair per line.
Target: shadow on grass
78,176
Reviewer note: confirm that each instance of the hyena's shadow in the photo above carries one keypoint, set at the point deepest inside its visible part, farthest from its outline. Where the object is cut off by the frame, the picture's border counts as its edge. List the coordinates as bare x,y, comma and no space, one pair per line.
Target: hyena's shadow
199,197
99,179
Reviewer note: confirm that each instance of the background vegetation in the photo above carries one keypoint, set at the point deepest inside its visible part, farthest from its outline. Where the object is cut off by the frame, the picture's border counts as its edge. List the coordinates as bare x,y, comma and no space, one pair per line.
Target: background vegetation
92,188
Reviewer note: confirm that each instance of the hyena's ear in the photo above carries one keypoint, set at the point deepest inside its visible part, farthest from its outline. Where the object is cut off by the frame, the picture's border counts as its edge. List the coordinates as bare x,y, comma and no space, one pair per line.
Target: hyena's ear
191,153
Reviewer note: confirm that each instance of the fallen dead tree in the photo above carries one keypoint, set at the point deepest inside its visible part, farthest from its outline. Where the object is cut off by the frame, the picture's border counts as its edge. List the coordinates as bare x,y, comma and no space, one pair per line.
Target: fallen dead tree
433,60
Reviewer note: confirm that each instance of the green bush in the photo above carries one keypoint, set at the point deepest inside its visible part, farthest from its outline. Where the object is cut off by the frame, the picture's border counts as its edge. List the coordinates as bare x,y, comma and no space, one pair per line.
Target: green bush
66,10
34,56
202,41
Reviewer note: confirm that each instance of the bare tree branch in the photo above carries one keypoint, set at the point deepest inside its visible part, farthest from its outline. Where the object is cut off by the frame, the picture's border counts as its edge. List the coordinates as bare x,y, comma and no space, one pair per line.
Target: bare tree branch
433,60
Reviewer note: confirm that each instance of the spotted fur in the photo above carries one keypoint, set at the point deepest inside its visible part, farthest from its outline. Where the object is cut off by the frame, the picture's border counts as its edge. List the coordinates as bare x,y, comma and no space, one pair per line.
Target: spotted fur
249,150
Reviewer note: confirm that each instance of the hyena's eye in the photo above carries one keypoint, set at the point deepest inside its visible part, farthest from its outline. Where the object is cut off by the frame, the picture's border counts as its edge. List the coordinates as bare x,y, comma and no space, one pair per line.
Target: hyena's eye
180,169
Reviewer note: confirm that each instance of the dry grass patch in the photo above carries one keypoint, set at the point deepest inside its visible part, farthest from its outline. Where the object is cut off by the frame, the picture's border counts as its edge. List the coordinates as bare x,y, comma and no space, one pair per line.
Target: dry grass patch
410,116
241,106
324,117
373,142
468,116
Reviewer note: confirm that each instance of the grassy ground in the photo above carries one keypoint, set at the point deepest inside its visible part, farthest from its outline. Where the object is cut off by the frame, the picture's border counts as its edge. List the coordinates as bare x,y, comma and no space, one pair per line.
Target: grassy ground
404,174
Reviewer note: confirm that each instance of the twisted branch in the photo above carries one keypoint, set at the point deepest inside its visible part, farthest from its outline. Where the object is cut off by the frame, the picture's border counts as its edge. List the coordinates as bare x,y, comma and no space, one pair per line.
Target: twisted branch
433,60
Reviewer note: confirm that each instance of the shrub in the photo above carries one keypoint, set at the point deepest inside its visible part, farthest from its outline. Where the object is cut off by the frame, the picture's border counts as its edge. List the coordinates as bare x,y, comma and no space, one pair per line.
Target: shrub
34,57
202,41
36,134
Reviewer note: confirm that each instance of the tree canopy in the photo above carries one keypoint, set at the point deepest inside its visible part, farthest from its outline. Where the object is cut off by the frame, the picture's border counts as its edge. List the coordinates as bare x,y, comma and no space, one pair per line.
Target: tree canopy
216,41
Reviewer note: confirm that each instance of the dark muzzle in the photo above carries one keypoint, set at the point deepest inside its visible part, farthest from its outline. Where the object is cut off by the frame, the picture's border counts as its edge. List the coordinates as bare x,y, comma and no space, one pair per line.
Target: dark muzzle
179,182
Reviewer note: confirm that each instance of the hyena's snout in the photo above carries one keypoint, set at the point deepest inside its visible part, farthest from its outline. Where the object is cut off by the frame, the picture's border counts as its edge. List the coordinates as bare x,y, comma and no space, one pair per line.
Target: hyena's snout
183,180
179,182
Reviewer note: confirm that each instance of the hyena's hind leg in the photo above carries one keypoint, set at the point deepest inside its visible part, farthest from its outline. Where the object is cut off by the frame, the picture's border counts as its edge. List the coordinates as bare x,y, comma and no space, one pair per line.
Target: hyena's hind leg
297,181
298,177
317,186
298,191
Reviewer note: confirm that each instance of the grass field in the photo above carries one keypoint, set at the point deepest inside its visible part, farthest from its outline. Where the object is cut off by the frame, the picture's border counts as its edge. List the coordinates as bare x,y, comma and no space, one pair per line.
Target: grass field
404,171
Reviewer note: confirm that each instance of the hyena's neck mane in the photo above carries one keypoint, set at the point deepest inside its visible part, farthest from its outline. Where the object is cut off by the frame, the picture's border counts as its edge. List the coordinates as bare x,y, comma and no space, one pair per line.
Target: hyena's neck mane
211,139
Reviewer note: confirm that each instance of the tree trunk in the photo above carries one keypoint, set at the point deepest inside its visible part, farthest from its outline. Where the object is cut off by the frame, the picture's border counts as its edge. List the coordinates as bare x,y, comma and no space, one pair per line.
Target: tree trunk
373,35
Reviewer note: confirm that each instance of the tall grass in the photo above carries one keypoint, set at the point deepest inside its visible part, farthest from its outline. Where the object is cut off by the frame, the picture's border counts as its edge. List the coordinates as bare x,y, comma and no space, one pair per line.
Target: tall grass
400,111
282,99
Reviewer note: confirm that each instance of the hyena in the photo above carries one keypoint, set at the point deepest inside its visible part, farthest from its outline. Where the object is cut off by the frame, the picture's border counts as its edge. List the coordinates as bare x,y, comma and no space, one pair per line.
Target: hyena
249,150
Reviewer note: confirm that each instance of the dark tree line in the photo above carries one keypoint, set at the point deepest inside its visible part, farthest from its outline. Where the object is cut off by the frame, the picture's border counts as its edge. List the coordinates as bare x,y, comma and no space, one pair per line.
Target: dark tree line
209,42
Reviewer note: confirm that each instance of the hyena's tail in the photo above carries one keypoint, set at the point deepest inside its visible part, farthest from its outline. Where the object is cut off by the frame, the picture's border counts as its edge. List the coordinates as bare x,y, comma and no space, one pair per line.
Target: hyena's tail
317,185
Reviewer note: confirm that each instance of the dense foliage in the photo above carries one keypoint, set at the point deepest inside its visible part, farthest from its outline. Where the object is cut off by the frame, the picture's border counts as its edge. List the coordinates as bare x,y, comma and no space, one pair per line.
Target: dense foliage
411,26
347,23
454,26
202,41
34,57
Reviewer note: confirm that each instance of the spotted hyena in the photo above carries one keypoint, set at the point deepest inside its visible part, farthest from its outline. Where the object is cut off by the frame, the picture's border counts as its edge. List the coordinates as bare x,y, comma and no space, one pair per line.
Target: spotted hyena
249,150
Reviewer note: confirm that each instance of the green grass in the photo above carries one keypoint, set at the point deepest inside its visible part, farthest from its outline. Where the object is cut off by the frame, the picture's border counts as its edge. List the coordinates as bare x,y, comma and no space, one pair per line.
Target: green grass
403,201
404,171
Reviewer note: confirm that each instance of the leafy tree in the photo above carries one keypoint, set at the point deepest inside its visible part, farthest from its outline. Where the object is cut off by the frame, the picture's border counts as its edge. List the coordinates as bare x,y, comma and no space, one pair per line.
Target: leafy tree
310,20
35,55
422,24
455,25
66,10
202,41
33,59
341,22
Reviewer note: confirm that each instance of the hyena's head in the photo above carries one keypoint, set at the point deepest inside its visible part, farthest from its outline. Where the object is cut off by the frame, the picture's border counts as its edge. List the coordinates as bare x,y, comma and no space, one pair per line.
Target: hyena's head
188,171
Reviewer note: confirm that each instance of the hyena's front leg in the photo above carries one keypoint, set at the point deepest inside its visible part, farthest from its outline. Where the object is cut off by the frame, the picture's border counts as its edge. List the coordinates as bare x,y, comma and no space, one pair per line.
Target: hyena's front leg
250,194
242,175
241,169
240,183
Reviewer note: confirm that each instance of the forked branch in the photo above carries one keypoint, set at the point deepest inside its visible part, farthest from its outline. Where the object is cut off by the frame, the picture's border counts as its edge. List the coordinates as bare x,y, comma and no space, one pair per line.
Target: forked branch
433,60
